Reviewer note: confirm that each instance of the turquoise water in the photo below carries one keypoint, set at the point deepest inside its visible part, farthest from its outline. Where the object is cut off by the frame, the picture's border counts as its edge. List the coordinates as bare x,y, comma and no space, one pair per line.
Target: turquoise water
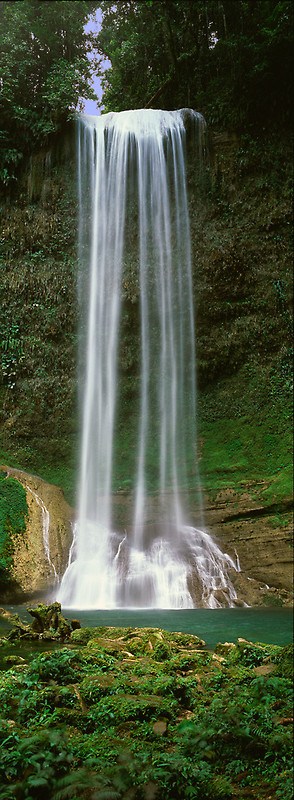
271,626
213,625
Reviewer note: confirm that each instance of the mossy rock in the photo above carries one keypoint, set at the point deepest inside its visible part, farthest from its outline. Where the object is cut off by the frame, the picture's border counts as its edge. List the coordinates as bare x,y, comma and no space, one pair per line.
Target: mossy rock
12,661
93,687
225,648
121,708
71,717
162,651
136,641
112,646
63,666
49,621
187,660
186,640
83,635
163,685
253,654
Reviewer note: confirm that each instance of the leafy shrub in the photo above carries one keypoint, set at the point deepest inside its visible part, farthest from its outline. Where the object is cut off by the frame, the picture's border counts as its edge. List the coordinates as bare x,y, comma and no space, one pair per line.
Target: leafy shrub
187,660
284,661
181,778
34,762
62,666
121,708
162,651
285,782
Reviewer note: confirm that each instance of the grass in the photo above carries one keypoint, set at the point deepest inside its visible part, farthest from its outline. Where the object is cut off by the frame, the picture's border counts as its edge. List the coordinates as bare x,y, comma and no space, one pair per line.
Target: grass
240,450
28,460
246,435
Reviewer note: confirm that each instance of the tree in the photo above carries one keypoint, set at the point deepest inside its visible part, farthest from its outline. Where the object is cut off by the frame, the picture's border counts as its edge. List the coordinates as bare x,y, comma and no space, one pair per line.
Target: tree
44,70
232,60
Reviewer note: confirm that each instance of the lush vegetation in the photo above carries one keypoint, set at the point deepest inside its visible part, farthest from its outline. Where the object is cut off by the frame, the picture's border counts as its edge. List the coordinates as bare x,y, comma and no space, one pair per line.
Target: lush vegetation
44,71
13,511
231,60
122,714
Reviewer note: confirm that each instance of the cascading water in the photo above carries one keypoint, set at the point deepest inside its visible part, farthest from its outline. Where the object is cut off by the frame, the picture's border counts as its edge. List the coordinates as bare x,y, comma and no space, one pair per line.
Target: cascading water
45,528
131,177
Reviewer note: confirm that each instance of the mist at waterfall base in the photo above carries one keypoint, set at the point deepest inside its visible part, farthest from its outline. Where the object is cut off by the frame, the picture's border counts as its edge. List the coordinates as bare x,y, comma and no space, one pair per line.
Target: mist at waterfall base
134,231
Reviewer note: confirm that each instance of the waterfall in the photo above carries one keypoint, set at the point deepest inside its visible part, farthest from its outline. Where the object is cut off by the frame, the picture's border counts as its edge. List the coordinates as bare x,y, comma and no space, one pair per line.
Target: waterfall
45,528
133,209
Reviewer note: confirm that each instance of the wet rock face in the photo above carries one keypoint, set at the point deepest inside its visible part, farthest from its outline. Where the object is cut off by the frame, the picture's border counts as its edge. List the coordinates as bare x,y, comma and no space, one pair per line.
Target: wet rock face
248,531
41,554
235,521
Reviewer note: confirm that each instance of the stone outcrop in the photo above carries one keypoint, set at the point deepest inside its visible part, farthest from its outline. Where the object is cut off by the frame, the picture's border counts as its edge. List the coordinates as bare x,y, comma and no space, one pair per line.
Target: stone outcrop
48,624
41,554
259,536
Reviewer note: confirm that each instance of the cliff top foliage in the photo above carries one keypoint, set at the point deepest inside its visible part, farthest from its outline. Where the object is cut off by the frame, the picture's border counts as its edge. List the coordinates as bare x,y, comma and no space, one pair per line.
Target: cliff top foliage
231,60
44,70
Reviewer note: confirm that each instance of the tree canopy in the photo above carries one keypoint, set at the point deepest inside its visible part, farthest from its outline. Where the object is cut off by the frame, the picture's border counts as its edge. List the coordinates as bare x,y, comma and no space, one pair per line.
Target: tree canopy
44,70
231,59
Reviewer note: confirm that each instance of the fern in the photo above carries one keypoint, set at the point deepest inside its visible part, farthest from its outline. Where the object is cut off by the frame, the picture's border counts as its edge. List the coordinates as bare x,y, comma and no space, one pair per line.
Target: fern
84,784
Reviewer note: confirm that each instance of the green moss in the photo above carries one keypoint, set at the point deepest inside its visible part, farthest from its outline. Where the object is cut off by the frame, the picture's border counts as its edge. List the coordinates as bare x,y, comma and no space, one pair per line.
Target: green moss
246,435
272,600
13,512
62,473
191,722
123,708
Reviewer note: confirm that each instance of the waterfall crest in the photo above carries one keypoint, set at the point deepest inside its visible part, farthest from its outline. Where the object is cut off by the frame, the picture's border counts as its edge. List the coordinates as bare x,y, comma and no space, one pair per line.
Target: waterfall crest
131,177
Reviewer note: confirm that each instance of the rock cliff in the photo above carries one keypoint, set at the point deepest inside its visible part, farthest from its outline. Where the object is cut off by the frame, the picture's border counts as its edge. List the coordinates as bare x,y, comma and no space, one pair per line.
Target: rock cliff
252,535
241,209
41,553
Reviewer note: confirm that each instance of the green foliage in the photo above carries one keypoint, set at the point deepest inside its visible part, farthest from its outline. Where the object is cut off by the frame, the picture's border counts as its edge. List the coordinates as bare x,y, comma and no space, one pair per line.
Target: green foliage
13,512
11,352
45,756
251,655
162,651
122,708
44,73
232,61
62,666
285,662
245,428
71,729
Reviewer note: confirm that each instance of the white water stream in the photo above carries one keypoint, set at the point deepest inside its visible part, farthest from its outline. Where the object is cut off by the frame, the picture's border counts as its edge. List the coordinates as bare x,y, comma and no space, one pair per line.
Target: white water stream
131,176
45,527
